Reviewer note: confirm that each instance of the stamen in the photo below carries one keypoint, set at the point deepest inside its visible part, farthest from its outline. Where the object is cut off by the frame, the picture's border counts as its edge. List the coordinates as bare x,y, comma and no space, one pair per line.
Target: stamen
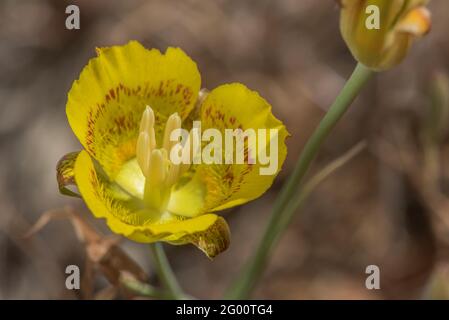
146,141
160,173
173,174
147,121
173,123
190,151
157,170
143,152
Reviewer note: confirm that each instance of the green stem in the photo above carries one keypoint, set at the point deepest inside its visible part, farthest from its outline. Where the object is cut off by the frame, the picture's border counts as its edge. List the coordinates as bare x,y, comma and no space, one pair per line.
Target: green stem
143,289
308,187
247,279
165,272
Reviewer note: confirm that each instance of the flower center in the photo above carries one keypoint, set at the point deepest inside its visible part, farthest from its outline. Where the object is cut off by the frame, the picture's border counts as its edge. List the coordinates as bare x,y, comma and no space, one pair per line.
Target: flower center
160,173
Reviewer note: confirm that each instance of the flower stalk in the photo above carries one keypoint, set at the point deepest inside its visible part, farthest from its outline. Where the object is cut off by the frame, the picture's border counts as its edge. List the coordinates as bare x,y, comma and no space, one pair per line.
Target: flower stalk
165,272
282,210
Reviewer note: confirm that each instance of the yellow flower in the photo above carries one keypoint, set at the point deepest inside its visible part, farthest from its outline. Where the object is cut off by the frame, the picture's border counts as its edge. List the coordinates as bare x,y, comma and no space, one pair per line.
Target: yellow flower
122,108
385,45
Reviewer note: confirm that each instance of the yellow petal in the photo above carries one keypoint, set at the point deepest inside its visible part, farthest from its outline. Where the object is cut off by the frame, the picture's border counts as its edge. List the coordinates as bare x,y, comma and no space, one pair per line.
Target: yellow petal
417,22
411,4
209,232
103,198
213,241
125,215
65,174
105,105
213,187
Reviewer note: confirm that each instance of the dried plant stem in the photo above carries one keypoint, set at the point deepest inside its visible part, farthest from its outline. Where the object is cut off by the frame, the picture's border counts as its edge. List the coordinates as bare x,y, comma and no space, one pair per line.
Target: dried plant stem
283,211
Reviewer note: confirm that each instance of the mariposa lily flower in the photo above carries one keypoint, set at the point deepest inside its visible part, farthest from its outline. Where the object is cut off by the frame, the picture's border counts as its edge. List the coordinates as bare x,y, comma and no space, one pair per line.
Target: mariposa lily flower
122,109
400,23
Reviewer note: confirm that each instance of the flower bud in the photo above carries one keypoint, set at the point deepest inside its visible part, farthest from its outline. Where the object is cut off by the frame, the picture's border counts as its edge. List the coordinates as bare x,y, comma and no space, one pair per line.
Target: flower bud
379,33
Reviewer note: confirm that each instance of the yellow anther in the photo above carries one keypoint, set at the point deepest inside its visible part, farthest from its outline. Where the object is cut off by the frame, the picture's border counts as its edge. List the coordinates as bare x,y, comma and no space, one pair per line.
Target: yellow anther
173,123
143,152
146,142
147,121
190,150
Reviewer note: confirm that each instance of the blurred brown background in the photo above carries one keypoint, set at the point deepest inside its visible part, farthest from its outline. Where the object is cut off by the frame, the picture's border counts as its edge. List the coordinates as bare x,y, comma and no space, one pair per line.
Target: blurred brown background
386,207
